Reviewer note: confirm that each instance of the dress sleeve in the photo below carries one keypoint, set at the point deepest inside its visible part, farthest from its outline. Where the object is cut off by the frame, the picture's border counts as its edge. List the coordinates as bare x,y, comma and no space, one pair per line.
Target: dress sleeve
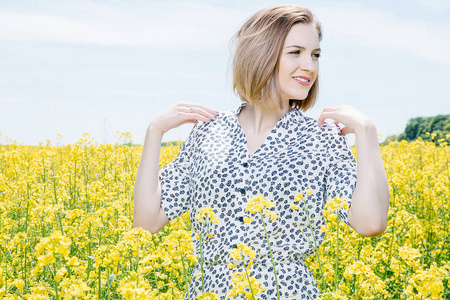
175,180
341,171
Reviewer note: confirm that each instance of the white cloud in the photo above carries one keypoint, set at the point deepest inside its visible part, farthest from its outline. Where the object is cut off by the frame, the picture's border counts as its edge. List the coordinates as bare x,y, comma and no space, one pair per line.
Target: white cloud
183,25
13,100
437,6
165,74
189,25
384,30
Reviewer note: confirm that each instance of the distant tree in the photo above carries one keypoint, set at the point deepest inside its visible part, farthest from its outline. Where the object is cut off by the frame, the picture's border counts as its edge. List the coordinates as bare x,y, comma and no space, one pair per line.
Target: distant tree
413,128
428,128
170,143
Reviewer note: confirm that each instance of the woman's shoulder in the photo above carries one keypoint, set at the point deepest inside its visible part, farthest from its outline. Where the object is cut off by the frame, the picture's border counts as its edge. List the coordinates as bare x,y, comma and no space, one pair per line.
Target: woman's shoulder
311,125
203,131
223,119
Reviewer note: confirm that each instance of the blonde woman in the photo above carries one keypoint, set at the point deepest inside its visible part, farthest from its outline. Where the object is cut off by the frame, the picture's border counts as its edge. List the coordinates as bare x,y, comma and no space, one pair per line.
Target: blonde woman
266,146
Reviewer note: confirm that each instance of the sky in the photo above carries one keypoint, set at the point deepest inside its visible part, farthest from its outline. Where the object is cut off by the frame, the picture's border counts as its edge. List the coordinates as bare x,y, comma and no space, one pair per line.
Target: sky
70,67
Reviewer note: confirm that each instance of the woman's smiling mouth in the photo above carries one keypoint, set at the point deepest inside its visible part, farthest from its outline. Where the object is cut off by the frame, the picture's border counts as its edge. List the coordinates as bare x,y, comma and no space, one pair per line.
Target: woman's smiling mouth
303,80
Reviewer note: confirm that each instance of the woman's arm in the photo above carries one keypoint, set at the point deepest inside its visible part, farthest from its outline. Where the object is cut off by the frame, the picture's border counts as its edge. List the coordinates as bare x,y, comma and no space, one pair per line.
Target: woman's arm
370,200
148,213
147,189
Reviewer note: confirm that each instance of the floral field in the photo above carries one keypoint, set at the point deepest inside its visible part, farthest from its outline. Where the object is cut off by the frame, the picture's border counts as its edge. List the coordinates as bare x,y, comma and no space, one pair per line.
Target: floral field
66,230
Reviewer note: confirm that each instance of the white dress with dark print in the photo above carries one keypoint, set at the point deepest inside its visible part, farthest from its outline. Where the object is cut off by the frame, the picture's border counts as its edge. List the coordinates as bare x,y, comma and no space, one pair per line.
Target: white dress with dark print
214,169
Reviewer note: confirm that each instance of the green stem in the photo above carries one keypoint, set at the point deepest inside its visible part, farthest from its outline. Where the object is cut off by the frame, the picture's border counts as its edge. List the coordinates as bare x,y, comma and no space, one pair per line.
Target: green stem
24,274
99,283
315,245
89,252
202,261
108,283
248,278
271,255
185,278
44,176
60,223
337,254
56,284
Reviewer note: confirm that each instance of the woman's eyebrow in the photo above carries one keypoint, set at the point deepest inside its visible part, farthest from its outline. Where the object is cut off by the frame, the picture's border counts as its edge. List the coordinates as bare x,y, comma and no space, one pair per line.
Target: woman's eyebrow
300,47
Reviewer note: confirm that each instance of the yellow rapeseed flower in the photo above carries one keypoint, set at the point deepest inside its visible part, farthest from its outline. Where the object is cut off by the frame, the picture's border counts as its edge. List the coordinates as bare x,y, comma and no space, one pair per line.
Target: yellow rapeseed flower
299,197
208,296
72,207
206,212
248,220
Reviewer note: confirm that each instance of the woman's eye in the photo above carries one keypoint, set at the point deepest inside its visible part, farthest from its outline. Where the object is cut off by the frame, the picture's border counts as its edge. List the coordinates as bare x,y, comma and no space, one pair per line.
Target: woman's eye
316,55
295,52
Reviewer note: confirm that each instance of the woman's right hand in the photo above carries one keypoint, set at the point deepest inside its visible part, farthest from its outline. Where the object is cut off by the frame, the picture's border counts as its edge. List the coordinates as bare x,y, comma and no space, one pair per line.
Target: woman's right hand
180,114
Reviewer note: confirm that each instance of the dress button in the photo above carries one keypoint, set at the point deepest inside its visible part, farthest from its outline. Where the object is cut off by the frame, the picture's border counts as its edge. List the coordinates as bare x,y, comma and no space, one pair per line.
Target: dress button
242,191
245,165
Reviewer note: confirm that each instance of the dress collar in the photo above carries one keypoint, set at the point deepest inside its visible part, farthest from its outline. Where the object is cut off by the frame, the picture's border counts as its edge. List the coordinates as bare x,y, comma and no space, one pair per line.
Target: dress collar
294,114
238,110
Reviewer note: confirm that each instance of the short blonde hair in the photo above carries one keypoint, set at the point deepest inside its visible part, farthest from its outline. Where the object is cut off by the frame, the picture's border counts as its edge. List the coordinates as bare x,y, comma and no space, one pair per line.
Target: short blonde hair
257,48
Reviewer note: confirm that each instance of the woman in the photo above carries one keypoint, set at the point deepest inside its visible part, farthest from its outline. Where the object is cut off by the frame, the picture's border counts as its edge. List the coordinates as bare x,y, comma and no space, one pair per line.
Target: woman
268,147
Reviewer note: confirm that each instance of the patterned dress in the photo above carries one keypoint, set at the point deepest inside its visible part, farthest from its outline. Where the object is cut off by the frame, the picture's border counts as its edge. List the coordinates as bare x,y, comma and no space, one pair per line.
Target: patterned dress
214,169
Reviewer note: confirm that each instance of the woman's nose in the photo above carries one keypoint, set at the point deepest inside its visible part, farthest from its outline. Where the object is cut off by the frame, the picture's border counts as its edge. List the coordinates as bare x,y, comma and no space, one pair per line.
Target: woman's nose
306,63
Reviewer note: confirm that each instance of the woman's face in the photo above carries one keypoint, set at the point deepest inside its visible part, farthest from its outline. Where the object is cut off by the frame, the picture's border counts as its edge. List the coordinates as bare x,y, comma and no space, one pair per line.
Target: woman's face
299,62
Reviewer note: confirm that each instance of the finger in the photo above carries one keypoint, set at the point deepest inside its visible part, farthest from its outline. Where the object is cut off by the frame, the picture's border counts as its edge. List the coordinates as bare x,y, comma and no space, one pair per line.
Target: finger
208,113
201,110
323,116
198,106
194,116
188,121
331,108
209,110
345,130
321,119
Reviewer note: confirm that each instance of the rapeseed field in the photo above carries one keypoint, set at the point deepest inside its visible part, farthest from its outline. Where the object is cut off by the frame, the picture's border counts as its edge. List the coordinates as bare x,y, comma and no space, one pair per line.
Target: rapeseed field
66,215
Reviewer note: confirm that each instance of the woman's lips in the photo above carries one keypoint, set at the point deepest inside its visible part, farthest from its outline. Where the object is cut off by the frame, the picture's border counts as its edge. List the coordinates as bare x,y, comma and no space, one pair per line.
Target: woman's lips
303,80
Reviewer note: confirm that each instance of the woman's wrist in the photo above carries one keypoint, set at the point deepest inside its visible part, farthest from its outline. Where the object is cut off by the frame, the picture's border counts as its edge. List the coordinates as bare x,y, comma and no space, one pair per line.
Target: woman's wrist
153,129
368,127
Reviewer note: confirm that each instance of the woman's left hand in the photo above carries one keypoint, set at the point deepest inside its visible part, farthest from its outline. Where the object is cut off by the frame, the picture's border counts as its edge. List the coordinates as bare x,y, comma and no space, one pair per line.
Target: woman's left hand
353,119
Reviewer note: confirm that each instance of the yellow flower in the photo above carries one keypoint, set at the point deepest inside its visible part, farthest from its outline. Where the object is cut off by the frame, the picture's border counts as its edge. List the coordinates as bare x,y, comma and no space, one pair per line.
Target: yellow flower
71,207
410,255
73,261
293,206
208,213
248,220
299,197
208,296
258,203
271,215
19,283
60,273
242,250
241,285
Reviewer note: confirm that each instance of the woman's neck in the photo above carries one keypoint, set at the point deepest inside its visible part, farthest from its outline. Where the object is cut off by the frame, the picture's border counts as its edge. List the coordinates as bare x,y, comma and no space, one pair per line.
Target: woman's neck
261,119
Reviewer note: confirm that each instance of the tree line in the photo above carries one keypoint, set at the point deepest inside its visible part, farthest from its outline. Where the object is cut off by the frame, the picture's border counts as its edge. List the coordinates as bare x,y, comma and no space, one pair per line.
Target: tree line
435,129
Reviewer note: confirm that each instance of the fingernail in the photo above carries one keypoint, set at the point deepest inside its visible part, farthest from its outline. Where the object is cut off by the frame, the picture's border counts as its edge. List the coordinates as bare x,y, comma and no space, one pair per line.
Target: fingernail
209,120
